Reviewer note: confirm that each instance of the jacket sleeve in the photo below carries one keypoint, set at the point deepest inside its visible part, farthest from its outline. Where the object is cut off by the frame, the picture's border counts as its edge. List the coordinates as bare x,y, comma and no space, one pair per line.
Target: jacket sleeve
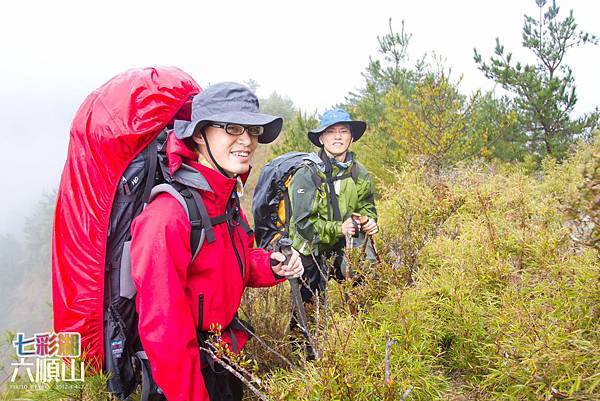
305,199
160,255
366,197
260,273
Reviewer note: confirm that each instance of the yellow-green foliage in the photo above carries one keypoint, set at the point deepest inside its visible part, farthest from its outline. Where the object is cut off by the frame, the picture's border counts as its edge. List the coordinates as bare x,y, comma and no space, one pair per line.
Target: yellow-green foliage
436,123
430,122
482,288
585,208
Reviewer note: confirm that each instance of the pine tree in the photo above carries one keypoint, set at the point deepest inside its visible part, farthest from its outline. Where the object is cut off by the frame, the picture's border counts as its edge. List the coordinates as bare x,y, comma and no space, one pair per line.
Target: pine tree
544,92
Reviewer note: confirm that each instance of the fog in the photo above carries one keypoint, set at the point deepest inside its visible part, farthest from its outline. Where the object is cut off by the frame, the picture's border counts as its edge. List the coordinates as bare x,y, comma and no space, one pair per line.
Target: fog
35,137
55,53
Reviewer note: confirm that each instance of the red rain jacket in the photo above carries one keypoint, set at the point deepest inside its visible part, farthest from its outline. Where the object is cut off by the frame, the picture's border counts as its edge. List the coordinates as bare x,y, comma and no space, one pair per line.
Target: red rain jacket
174,296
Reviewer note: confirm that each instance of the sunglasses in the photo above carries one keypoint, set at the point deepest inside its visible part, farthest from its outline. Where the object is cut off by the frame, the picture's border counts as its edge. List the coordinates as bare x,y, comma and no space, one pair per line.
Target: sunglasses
238,129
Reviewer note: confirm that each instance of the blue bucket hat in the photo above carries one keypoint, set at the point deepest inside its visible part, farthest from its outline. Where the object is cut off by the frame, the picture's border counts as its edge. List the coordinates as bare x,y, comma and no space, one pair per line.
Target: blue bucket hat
228,102
337,116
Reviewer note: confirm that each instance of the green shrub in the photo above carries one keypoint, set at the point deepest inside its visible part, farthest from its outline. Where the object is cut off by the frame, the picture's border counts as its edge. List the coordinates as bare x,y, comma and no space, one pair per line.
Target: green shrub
482,289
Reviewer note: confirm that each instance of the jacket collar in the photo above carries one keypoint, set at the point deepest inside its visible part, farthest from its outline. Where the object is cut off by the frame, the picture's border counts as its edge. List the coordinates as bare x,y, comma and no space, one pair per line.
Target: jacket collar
333,165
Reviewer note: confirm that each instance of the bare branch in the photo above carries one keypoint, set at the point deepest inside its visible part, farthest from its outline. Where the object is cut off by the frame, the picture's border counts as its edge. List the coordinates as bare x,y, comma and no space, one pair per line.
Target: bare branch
234,372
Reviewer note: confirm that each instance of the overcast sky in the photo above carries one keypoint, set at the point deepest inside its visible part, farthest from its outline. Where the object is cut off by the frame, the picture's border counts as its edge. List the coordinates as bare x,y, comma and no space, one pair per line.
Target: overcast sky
53,53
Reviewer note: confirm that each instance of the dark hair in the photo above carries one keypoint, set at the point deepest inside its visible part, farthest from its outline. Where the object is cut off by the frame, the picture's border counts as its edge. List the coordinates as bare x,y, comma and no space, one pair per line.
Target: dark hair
191,144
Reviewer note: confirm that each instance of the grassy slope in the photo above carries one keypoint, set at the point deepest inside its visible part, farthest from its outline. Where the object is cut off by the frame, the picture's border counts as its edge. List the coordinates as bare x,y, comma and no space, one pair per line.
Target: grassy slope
482,296
483,291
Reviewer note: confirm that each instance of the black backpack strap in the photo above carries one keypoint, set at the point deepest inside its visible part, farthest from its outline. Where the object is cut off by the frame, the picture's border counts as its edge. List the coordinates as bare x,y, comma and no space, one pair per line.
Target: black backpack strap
315,177
354,172
203,222
193,210
152,162
330,187
245,226
150,390
196,225
239,324
233,215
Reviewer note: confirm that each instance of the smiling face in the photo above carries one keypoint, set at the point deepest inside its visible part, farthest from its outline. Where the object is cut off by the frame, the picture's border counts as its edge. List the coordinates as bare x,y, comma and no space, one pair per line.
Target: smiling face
336,140
232,152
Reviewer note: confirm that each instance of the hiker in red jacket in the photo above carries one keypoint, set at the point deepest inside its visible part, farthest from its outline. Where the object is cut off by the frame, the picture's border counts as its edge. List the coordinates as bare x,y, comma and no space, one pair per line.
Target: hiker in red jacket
181,297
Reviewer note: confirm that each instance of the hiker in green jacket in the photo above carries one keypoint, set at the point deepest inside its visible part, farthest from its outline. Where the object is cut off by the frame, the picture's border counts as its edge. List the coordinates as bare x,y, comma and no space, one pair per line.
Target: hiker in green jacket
322,209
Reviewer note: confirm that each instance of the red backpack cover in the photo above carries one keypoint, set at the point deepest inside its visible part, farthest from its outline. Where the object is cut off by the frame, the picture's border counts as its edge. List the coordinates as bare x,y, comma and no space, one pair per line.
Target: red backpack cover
114,123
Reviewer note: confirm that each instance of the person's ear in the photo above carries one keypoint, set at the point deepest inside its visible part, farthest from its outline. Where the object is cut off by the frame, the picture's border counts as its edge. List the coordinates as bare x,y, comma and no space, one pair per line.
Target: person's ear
198,139
320,140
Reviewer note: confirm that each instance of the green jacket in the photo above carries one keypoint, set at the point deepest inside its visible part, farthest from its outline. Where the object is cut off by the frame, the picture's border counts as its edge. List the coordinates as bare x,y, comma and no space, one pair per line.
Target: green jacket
310,229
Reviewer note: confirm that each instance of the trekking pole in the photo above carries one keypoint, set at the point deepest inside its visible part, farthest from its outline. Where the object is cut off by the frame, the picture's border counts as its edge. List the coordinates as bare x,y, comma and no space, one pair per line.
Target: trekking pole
350,242
374,249
361,221
368,238
284,246
348,246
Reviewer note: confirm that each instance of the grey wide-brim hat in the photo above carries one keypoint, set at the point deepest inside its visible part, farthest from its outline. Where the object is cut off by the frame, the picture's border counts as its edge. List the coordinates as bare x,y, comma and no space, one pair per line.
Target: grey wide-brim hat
228,102
337,116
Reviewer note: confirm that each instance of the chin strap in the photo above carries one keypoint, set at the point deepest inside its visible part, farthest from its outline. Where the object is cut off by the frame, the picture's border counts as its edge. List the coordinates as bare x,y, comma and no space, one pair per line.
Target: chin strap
203,133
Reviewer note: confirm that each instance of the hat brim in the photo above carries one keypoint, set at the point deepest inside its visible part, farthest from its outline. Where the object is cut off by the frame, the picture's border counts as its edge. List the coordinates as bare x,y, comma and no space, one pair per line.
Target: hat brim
357,129
272,124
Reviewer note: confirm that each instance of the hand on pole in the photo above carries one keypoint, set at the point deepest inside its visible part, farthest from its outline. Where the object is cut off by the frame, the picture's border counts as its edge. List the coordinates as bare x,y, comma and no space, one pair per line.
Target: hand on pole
293,268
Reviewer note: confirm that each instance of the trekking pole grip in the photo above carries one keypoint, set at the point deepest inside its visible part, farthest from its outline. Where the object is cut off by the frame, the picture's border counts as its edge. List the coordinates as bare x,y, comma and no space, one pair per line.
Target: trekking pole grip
285,247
